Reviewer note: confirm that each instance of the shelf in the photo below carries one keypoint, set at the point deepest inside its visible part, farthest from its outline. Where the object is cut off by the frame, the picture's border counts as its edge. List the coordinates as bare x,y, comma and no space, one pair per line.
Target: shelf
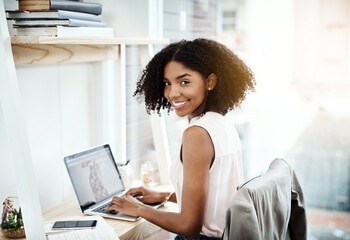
45,50
84,40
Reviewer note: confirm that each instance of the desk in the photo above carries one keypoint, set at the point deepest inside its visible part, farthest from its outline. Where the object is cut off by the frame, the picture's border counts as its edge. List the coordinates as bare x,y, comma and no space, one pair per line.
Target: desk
140,229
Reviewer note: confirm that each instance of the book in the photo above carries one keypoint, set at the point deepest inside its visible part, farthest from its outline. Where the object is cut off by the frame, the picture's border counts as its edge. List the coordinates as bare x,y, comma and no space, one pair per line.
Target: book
10,27
52,14
62,31
57,22
42,5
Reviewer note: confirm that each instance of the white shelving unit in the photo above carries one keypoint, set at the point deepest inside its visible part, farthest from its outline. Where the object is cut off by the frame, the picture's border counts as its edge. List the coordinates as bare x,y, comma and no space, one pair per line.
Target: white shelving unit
45,50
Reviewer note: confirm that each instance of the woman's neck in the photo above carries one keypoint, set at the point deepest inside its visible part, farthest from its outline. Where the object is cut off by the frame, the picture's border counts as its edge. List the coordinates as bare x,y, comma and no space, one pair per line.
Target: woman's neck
191,116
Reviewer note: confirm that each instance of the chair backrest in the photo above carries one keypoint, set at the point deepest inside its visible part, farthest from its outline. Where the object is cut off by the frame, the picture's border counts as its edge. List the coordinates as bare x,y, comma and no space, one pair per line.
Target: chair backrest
263,206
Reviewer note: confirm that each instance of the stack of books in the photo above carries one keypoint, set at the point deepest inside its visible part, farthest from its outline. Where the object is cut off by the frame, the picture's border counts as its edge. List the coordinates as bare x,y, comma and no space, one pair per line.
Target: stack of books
58,18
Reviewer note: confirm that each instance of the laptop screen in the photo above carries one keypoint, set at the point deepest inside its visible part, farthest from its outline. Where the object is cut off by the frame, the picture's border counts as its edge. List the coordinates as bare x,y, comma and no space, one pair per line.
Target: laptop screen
94,175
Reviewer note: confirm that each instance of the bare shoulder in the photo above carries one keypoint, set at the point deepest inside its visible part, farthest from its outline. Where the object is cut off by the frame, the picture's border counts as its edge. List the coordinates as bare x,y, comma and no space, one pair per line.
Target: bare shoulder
197,139
196,132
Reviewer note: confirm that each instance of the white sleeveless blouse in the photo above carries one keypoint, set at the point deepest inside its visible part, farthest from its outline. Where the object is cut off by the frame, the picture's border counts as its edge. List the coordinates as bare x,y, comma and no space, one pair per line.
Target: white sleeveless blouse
225,174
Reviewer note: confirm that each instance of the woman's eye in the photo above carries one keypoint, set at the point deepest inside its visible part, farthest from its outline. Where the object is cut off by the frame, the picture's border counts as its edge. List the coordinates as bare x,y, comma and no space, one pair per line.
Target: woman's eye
167,83
184,82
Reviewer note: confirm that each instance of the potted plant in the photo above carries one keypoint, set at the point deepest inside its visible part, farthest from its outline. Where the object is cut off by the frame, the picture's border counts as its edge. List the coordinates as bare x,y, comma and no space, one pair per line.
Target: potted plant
11,221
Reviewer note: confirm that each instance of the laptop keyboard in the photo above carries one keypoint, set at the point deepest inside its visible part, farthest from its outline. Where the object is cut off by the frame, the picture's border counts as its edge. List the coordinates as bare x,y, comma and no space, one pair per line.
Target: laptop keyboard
102,209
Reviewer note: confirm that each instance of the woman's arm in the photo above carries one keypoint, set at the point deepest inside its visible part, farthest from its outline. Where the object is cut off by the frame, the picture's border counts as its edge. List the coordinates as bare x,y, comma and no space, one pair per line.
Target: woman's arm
197,154
147,195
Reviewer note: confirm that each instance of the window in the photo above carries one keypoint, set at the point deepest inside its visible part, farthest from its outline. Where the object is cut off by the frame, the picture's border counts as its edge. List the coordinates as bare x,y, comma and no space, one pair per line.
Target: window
299,111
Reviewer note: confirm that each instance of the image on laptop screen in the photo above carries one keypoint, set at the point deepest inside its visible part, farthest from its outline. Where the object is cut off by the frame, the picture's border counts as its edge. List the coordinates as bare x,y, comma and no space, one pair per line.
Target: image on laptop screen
94,175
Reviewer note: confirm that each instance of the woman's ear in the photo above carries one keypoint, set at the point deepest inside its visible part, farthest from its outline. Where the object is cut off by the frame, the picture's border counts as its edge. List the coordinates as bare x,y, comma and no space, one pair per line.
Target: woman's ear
211,82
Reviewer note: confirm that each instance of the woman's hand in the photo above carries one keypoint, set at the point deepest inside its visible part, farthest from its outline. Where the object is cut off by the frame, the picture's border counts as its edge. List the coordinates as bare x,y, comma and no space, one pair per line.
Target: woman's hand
147,195
127,205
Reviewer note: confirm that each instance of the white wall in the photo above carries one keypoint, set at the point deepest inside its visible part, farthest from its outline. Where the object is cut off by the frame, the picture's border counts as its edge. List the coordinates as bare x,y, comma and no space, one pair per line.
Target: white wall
55,100
127,18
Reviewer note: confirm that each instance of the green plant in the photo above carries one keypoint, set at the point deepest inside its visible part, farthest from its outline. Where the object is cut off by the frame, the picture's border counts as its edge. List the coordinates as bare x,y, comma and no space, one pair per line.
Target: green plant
11,217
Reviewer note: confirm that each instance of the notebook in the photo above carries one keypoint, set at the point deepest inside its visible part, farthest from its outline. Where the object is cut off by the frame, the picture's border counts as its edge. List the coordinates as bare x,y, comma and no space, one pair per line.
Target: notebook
96,180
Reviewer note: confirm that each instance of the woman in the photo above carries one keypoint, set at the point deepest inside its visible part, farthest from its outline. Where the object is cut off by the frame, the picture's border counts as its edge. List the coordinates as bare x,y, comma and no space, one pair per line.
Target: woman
202,80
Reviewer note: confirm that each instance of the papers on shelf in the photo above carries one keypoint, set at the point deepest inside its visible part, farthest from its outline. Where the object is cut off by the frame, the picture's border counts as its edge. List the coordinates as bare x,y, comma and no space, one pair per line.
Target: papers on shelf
102,232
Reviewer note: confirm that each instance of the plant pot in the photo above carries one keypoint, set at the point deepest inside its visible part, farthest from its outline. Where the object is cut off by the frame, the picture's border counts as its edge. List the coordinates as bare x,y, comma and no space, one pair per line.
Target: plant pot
19,233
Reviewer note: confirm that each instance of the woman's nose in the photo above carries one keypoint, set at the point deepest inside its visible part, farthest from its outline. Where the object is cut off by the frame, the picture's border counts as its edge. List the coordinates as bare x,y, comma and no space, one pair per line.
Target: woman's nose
174,92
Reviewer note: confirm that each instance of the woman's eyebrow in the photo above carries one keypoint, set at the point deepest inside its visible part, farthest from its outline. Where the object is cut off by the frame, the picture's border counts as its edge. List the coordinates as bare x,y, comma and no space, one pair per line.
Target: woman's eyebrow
181,76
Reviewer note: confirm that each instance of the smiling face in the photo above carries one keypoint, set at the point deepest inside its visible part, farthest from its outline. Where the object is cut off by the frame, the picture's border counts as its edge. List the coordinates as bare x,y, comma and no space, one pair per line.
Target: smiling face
185,89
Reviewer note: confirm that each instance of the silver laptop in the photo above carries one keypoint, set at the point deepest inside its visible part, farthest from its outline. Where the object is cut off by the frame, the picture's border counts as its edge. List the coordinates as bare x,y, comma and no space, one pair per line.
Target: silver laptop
96,180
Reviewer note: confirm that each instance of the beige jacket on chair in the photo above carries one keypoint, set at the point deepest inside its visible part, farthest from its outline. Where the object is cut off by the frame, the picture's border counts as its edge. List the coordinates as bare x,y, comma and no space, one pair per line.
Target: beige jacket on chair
269,207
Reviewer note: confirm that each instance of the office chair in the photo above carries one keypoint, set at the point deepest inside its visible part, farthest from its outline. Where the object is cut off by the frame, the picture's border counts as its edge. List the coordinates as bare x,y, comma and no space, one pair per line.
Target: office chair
270,206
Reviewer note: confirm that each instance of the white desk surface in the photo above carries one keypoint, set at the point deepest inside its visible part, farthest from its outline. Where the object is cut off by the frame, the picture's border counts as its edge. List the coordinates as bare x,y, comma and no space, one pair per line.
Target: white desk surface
140,229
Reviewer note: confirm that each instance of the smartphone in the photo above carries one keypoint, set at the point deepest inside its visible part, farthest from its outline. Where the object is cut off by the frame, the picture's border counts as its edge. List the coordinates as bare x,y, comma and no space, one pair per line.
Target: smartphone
81,224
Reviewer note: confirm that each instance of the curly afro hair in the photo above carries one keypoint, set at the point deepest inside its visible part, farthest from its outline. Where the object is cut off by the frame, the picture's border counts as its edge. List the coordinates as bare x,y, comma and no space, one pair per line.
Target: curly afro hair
234,78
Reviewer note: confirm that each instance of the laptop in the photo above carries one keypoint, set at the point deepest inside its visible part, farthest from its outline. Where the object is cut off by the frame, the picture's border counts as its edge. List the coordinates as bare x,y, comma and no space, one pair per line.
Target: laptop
96,180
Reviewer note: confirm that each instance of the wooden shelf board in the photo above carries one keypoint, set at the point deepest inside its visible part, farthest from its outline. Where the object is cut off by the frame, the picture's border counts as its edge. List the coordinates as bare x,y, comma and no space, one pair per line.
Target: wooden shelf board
62,53
20,40
47,50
